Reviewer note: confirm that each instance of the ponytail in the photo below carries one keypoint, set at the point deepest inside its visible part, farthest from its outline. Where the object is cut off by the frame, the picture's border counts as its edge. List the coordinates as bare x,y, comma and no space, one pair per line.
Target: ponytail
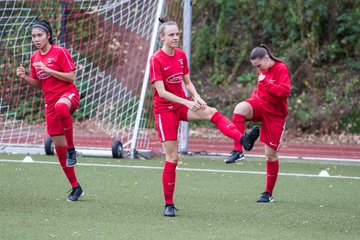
261,51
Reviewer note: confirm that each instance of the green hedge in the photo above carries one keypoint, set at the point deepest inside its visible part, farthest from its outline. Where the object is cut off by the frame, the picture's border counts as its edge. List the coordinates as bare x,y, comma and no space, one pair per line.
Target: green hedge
318,39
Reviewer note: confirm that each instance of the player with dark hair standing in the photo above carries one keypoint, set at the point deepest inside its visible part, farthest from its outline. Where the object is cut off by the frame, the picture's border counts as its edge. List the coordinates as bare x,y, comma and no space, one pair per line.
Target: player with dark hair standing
53,70
168,72
268,105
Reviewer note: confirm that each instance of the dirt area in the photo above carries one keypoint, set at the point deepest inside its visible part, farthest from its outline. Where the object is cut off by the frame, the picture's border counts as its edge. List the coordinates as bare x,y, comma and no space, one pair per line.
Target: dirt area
289,137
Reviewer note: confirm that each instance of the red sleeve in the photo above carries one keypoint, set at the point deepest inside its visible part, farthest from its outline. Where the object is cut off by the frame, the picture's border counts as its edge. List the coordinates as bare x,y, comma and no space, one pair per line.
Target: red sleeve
32,69
66,62
186,65
155,69
283,87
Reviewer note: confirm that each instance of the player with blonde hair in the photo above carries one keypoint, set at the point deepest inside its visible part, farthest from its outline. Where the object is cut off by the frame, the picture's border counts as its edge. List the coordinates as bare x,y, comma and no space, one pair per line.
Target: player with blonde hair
169,70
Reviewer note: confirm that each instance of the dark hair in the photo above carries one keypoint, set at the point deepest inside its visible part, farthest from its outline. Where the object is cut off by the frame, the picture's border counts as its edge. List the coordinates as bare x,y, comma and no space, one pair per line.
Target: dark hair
165,21
44,25
261,51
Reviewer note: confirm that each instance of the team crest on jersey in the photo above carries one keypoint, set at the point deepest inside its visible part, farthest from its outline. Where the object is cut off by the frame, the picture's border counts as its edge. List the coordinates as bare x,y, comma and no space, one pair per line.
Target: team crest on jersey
51,60
181,61
272,81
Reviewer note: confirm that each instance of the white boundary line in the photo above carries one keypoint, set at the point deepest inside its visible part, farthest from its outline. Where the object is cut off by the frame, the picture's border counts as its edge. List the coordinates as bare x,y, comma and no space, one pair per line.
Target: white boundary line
107,153
288,157
185,169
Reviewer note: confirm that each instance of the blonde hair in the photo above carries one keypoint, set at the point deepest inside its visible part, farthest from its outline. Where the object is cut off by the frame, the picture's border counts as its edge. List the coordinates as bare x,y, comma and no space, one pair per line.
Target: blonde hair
165,21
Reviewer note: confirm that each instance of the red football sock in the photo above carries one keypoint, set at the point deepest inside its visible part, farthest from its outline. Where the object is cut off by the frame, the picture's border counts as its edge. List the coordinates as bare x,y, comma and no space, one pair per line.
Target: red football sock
65,120
69,171
239,122
168,181
272,170
226,126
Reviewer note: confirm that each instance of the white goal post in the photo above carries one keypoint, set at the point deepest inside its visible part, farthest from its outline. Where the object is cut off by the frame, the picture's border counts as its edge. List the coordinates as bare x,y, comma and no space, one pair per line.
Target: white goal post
110,42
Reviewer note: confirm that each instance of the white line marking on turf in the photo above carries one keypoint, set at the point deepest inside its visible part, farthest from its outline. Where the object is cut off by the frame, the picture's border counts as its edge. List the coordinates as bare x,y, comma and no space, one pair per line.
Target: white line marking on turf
293,157
186,169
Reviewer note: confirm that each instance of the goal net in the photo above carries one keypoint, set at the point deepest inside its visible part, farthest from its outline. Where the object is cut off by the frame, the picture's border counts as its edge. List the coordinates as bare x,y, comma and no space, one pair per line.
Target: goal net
110,42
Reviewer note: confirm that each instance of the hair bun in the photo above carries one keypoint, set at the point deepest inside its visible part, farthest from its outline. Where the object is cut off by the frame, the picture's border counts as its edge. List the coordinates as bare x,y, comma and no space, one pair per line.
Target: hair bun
163,19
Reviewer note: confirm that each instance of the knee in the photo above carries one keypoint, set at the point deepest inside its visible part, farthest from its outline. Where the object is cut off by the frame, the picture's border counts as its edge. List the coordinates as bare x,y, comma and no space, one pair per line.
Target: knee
59,141
243,108
210,111
271,156
61,109
172,158
238,108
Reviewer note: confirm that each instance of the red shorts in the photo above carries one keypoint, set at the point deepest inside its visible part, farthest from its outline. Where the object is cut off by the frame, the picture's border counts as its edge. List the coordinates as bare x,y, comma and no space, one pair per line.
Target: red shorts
272,127
52,122
167,123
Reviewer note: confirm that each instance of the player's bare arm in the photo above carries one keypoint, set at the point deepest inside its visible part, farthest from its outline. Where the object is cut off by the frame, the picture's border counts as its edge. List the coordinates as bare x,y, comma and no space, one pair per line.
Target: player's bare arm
21,73
192,90
193,105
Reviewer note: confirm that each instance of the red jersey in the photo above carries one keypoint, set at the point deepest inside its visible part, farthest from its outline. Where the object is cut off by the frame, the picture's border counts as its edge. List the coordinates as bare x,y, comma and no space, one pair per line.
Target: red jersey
58,59
274,89
170,70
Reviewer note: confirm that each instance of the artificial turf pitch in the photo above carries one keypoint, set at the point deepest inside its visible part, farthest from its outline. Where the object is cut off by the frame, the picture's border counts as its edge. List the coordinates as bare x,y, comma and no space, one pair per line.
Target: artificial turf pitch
123,200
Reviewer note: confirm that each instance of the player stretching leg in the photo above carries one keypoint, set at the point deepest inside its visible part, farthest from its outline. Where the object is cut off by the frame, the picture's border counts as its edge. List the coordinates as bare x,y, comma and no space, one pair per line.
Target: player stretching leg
268,105
168,71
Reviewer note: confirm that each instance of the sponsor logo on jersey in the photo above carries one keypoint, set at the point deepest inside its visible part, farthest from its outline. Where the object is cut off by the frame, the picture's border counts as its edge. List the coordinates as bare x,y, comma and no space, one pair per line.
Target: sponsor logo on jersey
176,78
42,75
166,68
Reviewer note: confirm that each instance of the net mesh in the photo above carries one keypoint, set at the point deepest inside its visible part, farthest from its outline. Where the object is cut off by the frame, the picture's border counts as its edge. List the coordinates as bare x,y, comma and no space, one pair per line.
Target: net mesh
109,42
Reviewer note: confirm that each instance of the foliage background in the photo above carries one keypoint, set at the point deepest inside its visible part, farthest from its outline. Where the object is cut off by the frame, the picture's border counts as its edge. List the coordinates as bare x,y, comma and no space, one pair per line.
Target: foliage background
318,39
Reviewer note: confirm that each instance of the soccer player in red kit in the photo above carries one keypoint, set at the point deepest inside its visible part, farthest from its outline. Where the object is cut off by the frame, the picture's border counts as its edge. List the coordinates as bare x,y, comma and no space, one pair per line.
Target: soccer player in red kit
268,105
53,70
168,72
